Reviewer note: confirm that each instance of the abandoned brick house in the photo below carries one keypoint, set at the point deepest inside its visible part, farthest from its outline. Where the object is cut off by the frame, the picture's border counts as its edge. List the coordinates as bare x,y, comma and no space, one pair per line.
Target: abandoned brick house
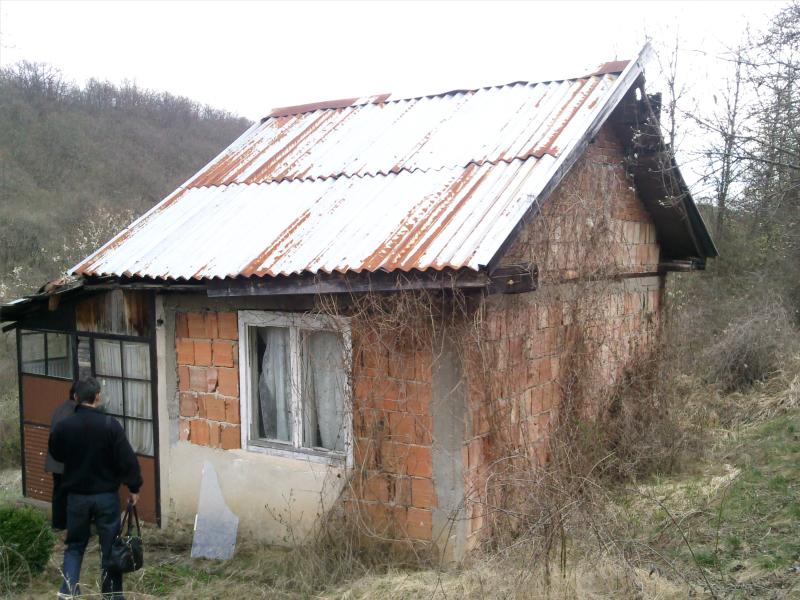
237,322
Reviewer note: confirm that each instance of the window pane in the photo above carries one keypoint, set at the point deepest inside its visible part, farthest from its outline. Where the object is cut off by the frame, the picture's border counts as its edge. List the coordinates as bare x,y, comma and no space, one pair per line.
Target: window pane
59,357
111,390
84,357
107,358
324,381
140,435
32,350
136,358
272,411
137,399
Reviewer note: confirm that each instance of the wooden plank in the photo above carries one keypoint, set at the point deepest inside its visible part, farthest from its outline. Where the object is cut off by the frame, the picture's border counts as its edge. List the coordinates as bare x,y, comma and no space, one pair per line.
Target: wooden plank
120,312
351,283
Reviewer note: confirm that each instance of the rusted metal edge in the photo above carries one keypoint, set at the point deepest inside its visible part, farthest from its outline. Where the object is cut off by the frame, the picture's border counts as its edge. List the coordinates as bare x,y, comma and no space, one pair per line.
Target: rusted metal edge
607,68
338,283
290,111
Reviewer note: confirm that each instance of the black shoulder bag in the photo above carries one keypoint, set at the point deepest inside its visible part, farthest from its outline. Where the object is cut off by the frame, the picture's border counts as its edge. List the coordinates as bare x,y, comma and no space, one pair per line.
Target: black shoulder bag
127,552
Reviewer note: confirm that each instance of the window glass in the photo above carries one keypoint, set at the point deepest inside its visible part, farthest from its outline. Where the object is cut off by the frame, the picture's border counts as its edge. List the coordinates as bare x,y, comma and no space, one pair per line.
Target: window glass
272,410
111,390
140,435
136,358
59,357
84,357
32,350
323,393
107,360
137,399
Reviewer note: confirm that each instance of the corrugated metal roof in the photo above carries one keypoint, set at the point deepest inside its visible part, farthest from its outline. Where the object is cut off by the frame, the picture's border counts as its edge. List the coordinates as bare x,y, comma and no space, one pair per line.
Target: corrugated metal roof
365,185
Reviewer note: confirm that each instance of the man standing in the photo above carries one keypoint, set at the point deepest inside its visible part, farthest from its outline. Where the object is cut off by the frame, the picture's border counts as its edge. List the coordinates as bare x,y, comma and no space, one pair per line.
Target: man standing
97,457
59,504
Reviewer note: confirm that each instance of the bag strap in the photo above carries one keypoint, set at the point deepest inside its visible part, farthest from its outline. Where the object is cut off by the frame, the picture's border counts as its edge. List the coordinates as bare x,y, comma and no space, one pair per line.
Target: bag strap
132,510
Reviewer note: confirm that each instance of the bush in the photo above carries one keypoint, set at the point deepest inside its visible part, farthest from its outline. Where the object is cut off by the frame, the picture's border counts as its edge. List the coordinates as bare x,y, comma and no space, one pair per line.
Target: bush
751,348
26,542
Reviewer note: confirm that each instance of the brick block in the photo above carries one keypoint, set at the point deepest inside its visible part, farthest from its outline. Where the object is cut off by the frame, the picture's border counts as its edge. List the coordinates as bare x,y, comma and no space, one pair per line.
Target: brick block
197,325
184,350
199,432
228,326
232,411
202,400
401,427
228,382
419,524
376,488
418,398
400,491
181,325
211,325
214,434
202,353
223,353
423,494
231,437
215,408
419,462
198,379
423,430
188,405
183,379
211,379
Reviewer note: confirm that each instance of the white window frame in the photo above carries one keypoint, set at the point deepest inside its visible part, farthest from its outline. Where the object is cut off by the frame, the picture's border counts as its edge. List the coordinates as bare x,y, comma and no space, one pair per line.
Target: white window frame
248,319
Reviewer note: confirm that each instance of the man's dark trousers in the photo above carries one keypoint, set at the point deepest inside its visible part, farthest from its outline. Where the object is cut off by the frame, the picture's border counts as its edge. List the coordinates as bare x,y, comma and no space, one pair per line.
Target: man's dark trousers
82,510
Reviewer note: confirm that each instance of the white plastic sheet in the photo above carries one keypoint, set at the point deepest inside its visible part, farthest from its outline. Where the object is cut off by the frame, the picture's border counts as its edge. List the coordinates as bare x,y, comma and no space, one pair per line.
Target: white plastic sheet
215,526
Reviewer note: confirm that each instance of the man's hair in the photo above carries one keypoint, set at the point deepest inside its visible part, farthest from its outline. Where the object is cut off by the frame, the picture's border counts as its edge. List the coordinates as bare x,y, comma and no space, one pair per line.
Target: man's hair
87,390
73,389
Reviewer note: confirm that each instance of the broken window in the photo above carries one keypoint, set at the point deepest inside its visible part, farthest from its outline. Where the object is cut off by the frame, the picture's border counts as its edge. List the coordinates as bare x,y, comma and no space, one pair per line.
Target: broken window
296,382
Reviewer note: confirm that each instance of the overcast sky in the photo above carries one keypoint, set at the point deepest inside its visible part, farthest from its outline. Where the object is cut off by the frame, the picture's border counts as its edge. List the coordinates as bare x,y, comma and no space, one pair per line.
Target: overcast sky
248,57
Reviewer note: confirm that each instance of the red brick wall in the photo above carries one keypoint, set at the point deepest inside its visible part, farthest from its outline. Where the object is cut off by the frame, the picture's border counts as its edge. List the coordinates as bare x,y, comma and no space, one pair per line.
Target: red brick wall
592,229
392,490
206,347
593,224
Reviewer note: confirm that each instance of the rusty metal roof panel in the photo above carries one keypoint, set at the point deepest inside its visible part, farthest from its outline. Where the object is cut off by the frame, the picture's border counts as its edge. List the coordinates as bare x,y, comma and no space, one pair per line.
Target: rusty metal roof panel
367,185
487,125
405,221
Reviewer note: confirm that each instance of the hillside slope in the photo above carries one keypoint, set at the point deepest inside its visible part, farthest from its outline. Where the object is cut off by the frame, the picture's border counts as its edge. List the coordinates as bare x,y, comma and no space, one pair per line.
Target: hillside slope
78,163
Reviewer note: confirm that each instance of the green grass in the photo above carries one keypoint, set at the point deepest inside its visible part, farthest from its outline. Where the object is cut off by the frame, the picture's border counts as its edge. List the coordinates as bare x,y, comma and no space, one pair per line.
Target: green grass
745,529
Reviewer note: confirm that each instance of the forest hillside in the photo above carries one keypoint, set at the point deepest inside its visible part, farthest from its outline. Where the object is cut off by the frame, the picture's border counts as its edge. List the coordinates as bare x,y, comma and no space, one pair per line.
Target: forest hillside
77,163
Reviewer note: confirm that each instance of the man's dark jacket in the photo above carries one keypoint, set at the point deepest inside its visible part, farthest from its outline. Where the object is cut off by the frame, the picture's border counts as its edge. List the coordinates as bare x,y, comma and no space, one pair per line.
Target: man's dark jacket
51,465
96,454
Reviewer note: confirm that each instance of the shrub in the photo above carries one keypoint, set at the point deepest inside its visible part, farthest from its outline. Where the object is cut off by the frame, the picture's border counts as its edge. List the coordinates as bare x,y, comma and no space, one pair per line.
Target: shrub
752,347
26,542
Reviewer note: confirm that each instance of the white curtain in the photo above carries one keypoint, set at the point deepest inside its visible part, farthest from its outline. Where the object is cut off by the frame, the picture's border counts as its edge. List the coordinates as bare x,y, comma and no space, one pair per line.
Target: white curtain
107,360
111,392
323,390
274,392
136,358
140,435
137,399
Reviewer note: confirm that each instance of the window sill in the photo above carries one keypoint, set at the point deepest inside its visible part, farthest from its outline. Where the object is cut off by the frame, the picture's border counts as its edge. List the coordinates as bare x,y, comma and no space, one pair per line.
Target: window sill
323,457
